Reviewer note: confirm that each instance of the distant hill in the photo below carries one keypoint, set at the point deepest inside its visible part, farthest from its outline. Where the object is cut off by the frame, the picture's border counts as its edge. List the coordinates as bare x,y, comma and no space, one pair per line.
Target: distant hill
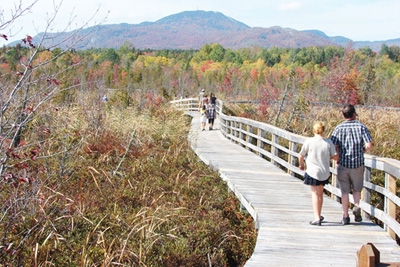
193,29
340,40
376,45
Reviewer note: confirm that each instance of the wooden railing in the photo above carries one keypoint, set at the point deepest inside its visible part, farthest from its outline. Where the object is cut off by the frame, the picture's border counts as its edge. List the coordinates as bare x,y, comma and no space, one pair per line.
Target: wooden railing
192,104
282,148
187,104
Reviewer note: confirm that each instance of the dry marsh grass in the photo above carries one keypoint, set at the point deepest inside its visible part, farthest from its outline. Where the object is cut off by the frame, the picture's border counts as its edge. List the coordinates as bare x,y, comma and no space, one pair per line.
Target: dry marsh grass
384,125
120,188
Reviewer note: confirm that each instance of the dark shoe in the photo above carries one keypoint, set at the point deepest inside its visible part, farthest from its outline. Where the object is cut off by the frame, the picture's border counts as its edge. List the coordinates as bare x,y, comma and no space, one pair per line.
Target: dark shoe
357,214
316,222
346,220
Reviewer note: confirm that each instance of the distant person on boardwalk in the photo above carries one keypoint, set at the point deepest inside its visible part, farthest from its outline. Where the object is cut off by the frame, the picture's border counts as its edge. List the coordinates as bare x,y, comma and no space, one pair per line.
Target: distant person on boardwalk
211,115
203,117
319,152
351,138
205,100
201,96
213,99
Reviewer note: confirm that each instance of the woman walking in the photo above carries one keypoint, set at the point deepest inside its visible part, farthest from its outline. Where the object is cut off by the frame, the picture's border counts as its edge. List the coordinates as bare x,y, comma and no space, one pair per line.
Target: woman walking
319,152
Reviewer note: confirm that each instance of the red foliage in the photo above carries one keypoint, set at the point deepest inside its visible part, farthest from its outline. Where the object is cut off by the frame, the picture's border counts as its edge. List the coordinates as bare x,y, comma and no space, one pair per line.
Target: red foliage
55,81
269,94
116,67
227,85
206,65
19,173
254,74
5,66
4,36
342,81
28,41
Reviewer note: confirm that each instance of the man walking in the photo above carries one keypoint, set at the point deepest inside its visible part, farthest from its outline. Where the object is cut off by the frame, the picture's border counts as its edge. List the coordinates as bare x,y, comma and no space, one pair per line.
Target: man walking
351,138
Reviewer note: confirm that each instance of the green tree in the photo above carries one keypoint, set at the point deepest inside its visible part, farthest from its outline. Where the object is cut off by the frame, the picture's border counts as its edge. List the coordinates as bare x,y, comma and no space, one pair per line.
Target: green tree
109,55
217,53
384,50
232,56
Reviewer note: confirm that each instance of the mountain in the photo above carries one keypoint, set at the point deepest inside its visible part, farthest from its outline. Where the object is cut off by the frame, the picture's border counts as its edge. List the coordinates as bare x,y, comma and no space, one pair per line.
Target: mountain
193,29
339,40
376,45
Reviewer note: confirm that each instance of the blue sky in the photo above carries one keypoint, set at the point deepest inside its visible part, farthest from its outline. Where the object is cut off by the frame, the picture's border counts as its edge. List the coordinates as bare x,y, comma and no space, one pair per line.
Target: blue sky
359,20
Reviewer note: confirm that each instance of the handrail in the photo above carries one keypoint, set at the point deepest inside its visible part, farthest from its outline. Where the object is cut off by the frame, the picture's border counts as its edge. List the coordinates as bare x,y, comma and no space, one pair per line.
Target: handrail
189,104
282,149
326,104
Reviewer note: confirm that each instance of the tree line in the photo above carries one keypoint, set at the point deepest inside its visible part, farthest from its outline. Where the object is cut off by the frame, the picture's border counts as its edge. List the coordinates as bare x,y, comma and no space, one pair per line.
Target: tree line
326,74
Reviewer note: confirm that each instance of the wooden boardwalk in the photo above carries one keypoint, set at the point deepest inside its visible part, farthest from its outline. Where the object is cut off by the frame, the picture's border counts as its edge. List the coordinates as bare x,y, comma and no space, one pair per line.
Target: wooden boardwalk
281,206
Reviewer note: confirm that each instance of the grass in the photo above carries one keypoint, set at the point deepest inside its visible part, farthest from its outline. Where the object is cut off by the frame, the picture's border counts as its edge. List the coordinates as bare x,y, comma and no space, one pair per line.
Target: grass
119,186
384,125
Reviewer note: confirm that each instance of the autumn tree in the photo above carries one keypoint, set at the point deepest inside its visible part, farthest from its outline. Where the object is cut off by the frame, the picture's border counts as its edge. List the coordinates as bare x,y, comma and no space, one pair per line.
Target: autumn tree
342,80
30,81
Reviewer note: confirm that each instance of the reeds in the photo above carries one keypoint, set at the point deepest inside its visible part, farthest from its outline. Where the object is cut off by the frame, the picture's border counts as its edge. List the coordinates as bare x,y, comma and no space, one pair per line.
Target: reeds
383,124
103,196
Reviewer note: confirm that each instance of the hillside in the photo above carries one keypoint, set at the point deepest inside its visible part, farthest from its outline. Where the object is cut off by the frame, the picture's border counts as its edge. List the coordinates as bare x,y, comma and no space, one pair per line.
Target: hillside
193,29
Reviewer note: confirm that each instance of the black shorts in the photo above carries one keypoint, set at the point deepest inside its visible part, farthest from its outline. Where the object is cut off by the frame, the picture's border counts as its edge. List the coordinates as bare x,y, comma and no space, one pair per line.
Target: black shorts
211,121
312,181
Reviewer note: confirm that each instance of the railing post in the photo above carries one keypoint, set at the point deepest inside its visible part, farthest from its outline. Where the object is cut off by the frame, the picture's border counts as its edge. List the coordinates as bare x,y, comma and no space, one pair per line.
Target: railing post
219,106
249,139
260,143
236,129
223,125
228,125
274,150
366,193
335,181
241,132
291,158
193,106
390,206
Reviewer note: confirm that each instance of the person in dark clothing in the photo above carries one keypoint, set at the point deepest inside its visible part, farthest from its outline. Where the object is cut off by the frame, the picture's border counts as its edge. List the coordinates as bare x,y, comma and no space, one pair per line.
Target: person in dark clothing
351,139
213,99
211,115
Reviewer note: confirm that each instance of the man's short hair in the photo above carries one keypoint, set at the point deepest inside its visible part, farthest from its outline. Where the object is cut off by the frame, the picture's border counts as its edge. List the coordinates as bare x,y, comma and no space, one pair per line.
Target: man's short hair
348,111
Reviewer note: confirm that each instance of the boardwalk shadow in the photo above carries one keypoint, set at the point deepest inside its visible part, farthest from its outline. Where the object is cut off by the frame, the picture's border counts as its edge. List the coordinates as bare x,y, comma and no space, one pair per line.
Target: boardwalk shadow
355,224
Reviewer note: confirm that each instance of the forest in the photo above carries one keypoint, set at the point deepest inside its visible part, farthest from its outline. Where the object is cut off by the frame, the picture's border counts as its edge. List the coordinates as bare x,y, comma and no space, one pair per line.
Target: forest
87,182
331,74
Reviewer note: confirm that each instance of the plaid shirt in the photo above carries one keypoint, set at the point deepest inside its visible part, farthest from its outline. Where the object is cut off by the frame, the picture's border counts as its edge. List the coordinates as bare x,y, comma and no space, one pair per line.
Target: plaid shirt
211,112
351,136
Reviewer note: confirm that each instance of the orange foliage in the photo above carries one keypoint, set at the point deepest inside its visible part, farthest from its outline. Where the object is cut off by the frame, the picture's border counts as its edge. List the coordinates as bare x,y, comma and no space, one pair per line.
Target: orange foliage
254,74
105,65
123,75
206,65
43,57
